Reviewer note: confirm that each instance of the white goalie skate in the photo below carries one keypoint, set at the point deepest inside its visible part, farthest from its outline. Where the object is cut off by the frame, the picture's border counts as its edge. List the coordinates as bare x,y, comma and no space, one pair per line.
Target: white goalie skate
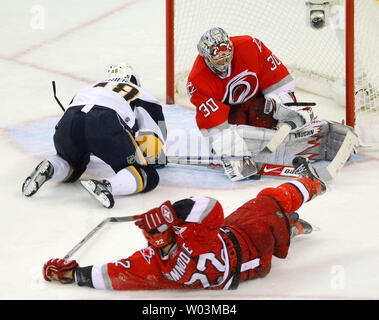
100,191
43,172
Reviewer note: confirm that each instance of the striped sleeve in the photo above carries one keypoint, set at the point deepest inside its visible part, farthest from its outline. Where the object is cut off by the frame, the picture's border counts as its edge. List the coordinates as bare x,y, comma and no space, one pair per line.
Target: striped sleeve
291,195
195,209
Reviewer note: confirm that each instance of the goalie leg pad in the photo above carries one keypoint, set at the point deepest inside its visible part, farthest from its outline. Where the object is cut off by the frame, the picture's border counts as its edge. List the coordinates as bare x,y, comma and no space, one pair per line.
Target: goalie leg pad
335,138
321,140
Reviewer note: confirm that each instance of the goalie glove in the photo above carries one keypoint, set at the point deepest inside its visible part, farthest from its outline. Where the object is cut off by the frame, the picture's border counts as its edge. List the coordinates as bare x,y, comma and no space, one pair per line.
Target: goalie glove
296,115
229,143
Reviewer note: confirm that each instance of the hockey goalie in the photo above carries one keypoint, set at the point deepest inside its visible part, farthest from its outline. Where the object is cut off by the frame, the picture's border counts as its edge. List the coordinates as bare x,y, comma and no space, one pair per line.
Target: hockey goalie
246,105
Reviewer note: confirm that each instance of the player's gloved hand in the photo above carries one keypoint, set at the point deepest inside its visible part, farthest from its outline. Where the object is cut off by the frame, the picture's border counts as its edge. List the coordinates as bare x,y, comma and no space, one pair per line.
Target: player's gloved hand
163,215
296,116
59,269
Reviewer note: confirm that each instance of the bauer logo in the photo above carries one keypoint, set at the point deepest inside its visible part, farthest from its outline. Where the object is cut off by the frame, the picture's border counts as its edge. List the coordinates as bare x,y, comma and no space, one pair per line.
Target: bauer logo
167,214
289,171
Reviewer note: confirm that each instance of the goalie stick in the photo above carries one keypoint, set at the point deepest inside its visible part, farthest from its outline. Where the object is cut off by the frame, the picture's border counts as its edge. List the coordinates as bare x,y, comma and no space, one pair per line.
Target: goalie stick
343,154
263,168
285,129
326,173
278,137
94,230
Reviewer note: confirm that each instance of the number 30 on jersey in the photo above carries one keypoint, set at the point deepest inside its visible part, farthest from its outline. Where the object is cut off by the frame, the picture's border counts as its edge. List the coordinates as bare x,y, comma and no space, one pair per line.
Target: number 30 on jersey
208,107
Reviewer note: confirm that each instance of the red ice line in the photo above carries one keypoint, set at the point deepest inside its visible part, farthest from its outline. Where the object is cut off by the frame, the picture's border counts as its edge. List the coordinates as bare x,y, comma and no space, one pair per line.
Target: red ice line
15,58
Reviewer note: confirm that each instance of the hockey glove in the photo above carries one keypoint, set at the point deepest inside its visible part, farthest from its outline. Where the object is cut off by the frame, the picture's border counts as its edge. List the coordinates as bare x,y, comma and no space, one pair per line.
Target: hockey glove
154,218
59,269
296,116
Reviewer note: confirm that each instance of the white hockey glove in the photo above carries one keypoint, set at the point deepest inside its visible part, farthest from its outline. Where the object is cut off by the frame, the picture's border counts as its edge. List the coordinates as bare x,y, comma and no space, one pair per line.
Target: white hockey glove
294,114
228,143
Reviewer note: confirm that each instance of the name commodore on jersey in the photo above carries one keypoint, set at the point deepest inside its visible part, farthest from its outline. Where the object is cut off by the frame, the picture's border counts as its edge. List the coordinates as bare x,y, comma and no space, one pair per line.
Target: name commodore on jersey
191,245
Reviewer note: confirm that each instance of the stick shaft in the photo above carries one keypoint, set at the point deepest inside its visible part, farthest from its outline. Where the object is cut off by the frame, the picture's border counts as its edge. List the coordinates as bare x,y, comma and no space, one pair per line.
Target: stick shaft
278,137
95,230
201,159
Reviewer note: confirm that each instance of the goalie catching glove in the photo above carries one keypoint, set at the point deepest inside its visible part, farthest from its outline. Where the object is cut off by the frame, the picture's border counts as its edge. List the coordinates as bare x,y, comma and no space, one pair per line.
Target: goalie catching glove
296,115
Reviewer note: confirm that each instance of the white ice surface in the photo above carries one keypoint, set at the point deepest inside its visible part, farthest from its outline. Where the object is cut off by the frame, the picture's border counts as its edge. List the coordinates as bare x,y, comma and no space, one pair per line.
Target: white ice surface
76,44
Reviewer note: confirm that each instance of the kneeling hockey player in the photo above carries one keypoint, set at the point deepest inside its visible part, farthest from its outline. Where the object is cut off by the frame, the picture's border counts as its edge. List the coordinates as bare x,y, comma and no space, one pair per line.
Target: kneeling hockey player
115,120
243,96
192,245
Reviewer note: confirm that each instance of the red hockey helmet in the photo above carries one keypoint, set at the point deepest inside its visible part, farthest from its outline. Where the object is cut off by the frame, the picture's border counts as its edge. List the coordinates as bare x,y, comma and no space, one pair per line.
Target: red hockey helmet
159,237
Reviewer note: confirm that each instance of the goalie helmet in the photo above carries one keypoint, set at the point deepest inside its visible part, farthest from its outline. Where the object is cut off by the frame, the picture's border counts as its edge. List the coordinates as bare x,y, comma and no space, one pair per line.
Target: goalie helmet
217,50
123,71
160,237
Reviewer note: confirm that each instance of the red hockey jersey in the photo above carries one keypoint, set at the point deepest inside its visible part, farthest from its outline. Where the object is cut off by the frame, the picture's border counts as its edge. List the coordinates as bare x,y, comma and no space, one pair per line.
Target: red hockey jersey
210,251
254,71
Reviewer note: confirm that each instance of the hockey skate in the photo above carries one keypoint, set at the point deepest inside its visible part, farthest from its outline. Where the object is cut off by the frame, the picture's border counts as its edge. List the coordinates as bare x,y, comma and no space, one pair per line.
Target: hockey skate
300,226
43,172
100,190
304,169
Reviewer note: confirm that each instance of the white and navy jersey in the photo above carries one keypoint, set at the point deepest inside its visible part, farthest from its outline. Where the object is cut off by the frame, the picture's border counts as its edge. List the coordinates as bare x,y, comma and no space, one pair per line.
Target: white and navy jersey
141,111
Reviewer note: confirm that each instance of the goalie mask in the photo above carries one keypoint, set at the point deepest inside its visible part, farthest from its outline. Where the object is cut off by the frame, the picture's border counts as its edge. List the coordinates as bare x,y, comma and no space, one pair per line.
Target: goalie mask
160,237
123,71
217,50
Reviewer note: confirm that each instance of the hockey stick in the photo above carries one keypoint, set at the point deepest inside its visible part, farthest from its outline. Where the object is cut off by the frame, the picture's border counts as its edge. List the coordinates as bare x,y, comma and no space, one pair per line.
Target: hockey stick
285,129
94,230
263,168
201,160
330,172
56,98
278,137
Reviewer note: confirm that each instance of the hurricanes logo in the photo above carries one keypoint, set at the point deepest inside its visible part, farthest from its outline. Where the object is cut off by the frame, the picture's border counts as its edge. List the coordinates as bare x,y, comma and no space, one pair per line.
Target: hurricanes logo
241,88
147,253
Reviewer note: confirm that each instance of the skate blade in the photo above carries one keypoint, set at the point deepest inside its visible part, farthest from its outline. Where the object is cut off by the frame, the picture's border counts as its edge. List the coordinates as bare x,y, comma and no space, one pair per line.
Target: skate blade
90,186
31,185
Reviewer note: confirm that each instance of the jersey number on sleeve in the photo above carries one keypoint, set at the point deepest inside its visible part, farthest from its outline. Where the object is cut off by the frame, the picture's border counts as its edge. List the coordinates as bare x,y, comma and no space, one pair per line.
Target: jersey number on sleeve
131,92
275,62
208,107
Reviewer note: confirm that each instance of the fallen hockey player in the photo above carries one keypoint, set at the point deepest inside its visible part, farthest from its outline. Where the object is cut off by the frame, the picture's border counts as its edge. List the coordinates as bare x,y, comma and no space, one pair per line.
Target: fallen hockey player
192,245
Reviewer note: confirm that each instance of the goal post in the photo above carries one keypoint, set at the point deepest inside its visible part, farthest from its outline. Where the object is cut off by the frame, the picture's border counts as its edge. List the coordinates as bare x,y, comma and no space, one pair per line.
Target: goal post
349,64
339,61
170,56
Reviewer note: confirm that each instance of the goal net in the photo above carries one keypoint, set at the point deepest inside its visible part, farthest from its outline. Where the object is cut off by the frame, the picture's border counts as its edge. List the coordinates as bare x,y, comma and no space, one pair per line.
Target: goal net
315,57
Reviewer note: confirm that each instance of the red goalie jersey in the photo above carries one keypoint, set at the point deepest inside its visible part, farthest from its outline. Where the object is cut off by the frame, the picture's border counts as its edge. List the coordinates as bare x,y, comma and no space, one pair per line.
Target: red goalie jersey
211,252
239,97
